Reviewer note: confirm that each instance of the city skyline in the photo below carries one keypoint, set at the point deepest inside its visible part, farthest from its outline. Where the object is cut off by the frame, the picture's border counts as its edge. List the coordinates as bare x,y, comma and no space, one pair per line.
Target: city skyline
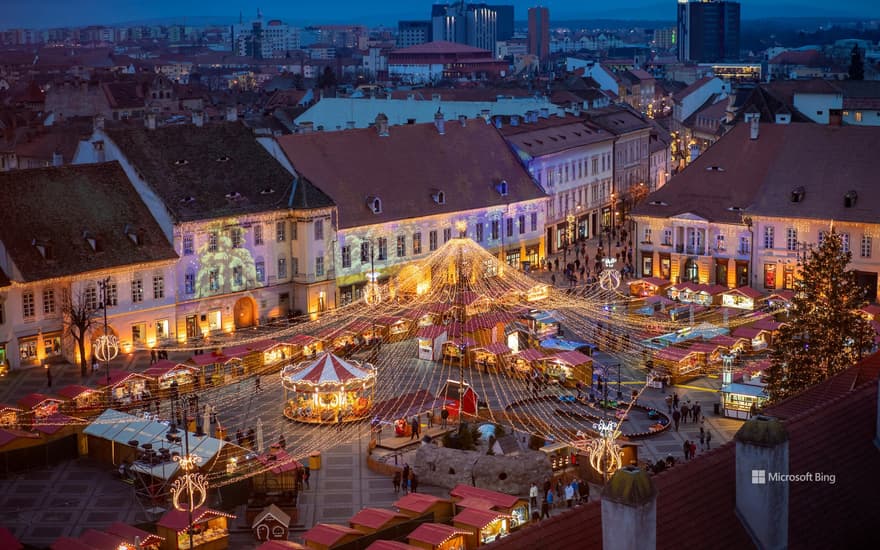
20,13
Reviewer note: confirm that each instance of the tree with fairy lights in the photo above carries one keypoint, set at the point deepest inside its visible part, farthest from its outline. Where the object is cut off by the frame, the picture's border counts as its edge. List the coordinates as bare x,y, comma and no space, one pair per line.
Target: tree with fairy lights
825,334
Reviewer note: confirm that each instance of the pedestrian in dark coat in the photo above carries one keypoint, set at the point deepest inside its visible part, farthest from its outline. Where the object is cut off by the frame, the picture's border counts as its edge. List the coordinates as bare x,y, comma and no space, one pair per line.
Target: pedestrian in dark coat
708,440
396,482
676,418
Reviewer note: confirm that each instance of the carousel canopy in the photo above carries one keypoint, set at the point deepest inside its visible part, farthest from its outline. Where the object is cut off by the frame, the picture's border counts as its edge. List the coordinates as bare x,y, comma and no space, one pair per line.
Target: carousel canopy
329,368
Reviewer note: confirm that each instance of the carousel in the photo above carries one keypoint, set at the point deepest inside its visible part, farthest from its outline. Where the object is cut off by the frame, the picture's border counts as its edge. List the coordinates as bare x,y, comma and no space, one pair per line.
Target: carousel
328,389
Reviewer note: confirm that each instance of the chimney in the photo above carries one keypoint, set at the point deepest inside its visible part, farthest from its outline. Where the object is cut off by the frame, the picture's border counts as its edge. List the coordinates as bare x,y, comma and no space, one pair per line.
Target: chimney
761,497
498,122
439,123
231,114
629,511
485,113
150,121
306,127
754,128
435,98
382,124
198,118
462,119
349,125
514,120
99,150
98,123
545,112
57,159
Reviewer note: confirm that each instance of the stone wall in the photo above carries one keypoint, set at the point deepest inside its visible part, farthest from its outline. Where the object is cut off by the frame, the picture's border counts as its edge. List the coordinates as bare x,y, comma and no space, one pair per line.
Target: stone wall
514,475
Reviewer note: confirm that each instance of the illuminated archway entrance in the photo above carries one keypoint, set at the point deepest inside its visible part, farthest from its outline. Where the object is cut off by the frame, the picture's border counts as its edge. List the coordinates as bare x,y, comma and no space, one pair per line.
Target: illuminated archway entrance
245,312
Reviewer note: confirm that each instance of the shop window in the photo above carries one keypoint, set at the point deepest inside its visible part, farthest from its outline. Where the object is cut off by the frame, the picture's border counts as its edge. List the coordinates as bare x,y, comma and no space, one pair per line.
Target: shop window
214,320
770,276
138,333
161,329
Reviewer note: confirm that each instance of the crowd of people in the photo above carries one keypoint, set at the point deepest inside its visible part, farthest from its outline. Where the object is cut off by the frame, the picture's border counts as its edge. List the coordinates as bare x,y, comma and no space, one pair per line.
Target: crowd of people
579,270
559,493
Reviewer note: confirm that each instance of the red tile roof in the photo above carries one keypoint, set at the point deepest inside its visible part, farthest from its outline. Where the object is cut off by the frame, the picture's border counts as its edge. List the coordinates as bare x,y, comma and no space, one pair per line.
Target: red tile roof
439,46
435,533
281,545
374,518
328,534
73,391
31,400
571,357
100,540
466,164
390,545
497,499
418,502
179,519
530,354
8,540
67,543
476,517
128,533
8,436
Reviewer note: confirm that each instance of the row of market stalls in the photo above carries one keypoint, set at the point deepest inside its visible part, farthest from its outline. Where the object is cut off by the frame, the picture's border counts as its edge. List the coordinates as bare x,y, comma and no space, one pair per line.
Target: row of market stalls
687,292
470,518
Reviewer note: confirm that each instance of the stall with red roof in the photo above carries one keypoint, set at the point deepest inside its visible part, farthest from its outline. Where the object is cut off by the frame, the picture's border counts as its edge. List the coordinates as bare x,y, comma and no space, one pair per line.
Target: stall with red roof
456,349
679,364
209,529
744,297
275,483
326,536
438,536
81,400
126,387
372,520
514,507
567,367
165,373
39,406
328,389
459,397
9,416
484,525
524,362
648,286
430,342
393,328
422,505
493,357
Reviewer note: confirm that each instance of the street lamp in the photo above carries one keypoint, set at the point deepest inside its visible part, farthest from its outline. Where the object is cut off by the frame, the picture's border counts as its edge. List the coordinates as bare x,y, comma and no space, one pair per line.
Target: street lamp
191,488
106,345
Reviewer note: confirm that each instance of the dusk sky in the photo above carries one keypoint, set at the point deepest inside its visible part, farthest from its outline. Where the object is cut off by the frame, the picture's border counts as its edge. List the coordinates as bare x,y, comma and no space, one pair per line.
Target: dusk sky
54,13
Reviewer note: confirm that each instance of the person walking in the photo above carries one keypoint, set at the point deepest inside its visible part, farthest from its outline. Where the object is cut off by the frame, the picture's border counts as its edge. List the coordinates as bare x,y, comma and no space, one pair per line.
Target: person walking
307,473
676,418
48,376
669,404
702,438
533,497
429,416
696,411
444,417
396,482
405,475
549,500
686,449
674,400
414,428
693,449
685,411
413,482
545,506
569,495
708,440
153,356
257,388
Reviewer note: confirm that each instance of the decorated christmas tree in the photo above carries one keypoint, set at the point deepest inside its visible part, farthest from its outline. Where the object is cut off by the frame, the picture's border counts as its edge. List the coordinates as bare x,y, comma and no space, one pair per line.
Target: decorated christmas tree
825,334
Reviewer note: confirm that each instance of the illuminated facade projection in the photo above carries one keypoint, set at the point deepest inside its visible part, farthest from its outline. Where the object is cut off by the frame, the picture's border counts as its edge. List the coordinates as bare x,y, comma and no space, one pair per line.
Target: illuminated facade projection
61,256
403,192
254,240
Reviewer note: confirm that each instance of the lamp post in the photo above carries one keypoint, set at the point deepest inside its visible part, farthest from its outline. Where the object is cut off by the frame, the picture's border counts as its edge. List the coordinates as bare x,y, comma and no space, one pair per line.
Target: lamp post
106,345
619,391
194,485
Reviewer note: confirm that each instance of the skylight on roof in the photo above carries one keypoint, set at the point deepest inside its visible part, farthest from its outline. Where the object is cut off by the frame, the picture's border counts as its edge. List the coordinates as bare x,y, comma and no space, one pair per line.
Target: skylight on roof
224,158
181,162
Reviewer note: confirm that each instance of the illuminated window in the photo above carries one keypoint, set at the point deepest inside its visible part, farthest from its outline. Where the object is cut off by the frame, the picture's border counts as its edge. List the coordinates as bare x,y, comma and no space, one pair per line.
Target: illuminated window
27,305
189,283
865,251
417,243
496,228
844,241
478,230
48,301
161,329
258,234
447,234
365,251
432,240
112,294
858,116
235,236
768,237
158,287
770,276
382,252
534,221
282,268
188,245
212,241
345,252
260,267
521,224
510,227
213,280
791,239
138,333
280,232
401,246
319,266
319,230
237,276
137,290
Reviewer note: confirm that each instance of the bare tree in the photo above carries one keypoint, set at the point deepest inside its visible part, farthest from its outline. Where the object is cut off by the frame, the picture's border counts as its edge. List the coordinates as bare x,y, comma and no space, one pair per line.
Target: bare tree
80,312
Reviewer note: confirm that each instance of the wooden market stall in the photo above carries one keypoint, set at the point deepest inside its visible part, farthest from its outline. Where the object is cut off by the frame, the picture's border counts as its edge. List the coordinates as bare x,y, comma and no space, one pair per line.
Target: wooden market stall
390,545
271,524
431,340
459,397
759,339
648,286
679,364
372,520
568,368
126,387
438,536
524,362
420,505
328,389
10,416
541,324
493,357
165,373
209,529
456,349
36,406
485,328
485,526
744,297
394,328
275,483
302,345
82,400
326,536
129,535
742,401
210,367
516,508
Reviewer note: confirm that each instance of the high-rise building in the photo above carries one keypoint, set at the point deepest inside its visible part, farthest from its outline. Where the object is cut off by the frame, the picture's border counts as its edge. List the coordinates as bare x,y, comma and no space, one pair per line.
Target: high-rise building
539,32
708,31
413,33
260,41
664,38
478,25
